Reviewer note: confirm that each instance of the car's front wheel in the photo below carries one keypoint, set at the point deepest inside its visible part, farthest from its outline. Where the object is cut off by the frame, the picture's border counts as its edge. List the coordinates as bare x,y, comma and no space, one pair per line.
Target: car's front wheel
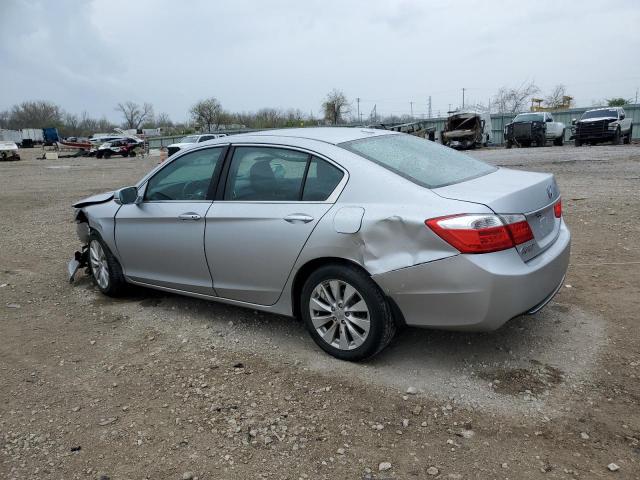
346,313
105,268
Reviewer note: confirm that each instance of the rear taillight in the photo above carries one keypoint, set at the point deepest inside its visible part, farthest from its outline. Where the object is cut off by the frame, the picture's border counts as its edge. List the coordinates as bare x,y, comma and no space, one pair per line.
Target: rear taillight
478,233
557,209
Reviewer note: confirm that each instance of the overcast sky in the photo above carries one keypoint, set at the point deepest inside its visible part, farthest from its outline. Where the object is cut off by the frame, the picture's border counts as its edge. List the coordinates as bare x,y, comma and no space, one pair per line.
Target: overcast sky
90,55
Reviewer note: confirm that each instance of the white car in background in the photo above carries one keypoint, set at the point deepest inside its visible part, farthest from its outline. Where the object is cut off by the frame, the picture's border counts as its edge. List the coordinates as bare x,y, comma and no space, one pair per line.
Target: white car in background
190,140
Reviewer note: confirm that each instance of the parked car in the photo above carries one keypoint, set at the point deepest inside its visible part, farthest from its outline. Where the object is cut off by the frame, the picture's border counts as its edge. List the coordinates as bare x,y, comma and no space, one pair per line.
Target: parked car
126,147
534,127
190,140
603,125
8,150
464,130
356,231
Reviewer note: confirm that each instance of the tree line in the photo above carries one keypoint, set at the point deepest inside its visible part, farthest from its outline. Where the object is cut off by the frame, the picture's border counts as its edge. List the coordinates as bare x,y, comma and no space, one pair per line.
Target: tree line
209,115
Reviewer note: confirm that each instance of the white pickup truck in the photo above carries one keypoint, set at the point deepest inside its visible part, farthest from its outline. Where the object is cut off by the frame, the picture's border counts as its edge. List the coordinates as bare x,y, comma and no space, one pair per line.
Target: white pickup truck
534,127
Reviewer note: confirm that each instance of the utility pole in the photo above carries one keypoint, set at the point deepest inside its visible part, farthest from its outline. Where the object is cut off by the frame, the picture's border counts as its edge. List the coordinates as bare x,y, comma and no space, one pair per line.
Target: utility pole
411,104
358,101
463,97
429,116
449,108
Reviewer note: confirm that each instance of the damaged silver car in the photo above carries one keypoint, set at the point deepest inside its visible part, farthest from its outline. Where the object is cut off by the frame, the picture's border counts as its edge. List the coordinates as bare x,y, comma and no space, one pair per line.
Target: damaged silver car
355,231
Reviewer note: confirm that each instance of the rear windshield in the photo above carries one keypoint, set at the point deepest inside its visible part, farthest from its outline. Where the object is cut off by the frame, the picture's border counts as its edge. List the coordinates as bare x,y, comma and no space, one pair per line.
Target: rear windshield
421,161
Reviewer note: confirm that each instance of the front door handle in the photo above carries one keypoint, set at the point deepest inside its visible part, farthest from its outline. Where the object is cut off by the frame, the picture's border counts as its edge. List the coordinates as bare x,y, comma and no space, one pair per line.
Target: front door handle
189,216
298,218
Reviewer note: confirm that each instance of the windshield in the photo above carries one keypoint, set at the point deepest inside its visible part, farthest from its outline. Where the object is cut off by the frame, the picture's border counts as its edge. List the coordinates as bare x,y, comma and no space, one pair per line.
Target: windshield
189,139
529,117
600,114
421,161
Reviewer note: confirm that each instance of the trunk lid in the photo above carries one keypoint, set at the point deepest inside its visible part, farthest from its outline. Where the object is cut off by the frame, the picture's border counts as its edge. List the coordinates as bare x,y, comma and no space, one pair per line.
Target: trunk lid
507,191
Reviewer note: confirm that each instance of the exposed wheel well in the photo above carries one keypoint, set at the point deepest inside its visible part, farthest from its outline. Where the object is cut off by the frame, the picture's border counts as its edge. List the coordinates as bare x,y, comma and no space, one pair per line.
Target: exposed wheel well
309,267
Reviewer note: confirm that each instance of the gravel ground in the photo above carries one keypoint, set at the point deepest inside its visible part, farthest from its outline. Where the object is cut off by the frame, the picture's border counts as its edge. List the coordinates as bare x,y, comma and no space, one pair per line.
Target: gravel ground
160,386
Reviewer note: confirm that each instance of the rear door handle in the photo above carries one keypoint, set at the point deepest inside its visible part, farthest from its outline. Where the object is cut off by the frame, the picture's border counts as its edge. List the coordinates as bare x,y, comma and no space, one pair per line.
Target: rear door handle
298,218
189,216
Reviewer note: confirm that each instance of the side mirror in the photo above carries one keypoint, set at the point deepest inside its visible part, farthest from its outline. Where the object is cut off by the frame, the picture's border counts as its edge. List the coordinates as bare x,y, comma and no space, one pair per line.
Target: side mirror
127,196
549,119
573,121
622,115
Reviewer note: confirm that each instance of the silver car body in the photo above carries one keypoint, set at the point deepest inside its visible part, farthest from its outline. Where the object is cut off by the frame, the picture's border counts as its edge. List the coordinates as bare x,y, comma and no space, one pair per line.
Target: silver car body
256,253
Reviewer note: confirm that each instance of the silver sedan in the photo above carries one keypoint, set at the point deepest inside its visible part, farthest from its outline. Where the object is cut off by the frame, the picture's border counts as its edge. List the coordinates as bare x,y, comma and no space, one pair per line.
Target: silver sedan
355,231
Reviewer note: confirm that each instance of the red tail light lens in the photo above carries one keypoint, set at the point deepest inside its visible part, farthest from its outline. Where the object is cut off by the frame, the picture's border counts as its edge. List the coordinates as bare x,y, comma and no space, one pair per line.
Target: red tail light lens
557,209
478,233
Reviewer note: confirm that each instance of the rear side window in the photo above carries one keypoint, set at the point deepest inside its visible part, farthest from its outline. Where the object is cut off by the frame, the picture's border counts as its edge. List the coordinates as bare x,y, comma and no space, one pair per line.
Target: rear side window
422,161
266,174
322,179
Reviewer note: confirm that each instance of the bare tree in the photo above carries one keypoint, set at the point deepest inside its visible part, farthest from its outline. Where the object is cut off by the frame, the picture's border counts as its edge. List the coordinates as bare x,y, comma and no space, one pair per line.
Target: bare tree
335,106
163,121
134,114
35,114
556,98
514,100
208,113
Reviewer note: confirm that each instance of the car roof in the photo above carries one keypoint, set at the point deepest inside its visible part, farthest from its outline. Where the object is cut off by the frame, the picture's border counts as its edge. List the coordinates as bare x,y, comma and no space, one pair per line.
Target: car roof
603,108
332,135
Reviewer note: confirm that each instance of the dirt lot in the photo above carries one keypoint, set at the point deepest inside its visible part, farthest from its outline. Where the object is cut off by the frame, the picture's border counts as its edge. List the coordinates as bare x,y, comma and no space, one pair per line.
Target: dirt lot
160,386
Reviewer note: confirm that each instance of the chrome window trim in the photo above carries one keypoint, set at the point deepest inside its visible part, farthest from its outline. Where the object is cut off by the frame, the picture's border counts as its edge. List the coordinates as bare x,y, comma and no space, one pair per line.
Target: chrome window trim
330,199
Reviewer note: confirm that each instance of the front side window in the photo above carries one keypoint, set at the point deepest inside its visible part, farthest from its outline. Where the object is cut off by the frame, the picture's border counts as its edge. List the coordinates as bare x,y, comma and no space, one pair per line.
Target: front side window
186,178
266,174
423,162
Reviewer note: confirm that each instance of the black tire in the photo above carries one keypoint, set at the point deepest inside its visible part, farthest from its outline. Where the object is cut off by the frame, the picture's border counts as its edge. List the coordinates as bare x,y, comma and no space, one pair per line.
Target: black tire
616,138
542,140
558,142
125,154
577,142
116,283
382,327
106,154
509,144
99,154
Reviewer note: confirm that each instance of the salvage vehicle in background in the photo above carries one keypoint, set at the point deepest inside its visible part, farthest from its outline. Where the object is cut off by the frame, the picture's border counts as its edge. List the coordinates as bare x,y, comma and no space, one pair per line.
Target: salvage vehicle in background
190,140
126,147
535,127
9,150
603,125
464,130
355,230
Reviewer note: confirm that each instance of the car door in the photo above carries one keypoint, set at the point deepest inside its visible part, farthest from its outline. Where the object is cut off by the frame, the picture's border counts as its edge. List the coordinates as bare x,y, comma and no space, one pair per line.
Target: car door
272,200
161,239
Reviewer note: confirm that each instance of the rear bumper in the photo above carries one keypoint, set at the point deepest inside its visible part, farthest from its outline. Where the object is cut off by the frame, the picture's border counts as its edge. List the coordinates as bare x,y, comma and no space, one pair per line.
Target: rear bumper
477,292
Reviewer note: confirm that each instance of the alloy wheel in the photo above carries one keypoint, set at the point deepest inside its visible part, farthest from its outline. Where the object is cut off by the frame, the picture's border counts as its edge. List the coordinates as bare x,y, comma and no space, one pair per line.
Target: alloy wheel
339,314
99,265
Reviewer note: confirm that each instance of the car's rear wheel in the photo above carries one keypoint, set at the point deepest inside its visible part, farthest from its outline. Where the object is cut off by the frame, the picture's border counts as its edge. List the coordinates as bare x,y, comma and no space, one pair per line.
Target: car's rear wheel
346,313
98,154
125,154
105,268
577,142
107,154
